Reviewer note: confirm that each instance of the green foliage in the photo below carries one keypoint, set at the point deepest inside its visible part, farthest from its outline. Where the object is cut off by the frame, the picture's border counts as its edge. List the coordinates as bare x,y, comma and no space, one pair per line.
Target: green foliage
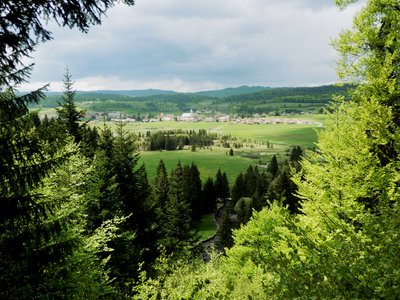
31,236
243,209
41,195
345,244
225,237
83,274
119,188
161,187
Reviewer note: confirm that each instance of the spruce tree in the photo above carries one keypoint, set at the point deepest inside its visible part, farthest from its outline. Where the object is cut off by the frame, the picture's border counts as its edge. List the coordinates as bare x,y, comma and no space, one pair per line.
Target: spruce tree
250,181
178,212
282,188
25,219
193,191
221,185
273,166
238,189
161,187
32,237
132,192
225,238
68,113
296,153
209,197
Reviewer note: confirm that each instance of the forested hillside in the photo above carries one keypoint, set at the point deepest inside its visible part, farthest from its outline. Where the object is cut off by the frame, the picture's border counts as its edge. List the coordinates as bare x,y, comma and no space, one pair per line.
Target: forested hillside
243,100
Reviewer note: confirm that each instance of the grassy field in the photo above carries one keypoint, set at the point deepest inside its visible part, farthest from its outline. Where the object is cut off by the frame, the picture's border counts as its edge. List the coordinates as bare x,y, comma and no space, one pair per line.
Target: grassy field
253,137
206,160
283,134
206,227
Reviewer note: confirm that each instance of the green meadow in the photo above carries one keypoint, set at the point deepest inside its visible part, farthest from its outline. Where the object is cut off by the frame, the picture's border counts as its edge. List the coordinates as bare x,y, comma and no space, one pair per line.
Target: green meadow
208,162
207,227
283,134
253,137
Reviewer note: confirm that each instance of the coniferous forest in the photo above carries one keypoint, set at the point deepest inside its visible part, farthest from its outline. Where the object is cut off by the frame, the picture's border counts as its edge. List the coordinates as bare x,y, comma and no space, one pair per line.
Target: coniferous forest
79,218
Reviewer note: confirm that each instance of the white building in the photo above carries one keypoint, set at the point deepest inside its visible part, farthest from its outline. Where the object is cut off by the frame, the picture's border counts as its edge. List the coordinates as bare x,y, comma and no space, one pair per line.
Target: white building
189,117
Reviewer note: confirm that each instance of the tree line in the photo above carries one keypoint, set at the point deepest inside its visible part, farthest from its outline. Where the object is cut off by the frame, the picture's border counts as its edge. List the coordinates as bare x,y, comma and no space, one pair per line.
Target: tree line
177,139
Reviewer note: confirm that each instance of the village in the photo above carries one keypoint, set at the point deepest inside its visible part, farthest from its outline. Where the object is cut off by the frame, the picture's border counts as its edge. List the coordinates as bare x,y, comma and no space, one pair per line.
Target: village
198,117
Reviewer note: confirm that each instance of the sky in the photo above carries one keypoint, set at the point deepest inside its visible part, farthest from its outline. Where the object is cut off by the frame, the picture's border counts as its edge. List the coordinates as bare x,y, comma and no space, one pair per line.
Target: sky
191,46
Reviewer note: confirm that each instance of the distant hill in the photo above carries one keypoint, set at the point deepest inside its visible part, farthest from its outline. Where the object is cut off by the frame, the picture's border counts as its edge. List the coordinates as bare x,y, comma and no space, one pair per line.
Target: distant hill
233,91
137,93
321,94
242,100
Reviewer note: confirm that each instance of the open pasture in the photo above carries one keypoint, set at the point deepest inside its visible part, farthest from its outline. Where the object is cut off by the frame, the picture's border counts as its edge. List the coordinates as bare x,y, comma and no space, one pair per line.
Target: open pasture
253,137
283,134
208,161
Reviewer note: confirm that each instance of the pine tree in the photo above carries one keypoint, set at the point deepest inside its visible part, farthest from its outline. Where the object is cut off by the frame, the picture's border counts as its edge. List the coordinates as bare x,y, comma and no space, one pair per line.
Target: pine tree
225,238
209,197
32,239
193,191
221,185
250,181
296,153
103,198
282,188
25,219
178,212
68,113
132,196
120,189
161,186
238,189
273,166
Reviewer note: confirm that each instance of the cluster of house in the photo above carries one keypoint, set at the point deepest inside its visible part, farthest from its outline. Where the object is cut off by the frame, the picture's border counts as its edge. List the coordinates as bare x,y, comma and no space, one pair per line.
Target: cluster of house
189,117
195,117
252,121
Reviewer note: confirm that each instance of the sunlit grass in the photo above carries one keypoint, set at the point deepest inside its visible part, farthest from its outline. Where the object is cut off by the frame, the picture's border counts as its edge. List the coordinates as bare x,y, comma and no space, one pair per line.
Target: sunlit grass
207,227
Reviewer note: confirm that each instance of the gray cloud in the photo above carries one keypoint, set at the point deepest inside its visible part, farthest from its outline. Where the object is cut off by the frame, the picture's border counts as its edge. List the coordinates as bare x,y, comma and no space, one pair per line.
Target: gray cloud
195,45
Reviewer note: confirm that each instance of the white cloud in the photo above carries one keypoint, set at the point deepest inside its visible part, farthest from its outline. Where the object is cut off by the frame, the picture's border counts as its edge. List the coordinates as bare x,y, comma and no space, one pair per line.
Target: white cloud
185,45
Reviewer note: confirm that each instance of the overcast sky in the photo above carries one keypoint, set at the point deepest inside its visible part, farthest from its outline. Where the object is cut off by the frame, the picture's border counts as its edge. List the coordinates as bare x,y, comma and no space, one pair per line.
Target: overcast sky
187,45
